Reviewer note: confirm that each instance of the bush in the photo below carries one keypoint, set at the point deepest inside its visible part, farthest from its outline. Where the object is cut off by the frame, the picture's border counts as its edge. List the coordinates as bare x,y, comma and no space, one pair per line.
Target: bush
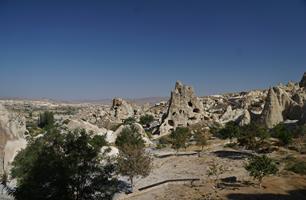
281,132
179,137
252,136
261,166
298,167
146,120
230,131
129,136
129,121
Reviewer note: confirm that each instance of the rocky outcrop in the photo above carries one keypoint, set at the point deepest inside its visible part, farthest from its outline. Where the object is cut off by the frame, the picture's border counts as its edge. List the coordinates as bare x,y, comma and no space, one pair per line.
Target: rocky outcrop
277,102
12,139
184,109
231,115
283,103
303,81
121,109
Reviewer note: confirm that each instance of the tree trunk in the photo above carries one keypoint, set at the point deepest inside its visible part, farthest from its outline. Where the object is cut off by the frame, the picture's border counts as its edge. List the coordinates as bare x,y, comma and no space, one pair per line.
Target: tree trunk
132,183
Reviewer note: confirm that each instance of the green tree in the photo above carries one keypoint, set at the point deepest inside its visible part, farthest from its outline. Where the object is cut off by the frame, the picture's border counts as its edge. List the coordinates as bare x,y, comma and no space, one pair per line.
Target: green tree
129,121
61,166
133,161
200,139
129,136
46,120
231,130
281,132
145,120
261,166
252,136
179,137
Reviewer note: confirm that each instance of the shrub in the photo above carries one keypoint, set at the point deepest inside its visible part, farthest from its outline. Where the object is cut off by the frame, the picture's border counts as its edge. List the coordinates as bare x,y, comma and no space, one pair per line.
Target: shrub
179,137
252,136
129,136
145,120
281,132
261,166
129,121
298,167
230,131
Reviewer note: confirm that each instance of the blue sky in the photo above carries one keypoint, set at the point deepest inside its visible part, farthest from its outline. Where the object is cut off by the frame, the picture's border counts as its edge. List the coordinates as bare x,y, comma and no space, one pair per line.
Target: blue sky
100,49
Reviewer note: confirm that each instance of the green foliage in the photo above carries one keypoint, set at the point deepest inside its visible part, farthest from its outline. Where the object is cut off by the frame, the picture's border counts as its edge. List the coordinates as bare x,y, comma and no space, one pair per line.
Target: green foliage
261,166
129,136
46,120
132,160
201,139
215,170
231,130
281,132
98,141
298,167
56,166
129,121
252,136
179,137
145,120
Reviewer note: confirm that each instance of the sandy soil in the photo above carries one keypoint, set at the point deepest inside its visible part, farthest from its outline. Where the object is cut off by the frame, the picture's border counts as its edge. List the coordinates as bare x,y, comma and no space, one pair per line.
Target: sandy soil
282,186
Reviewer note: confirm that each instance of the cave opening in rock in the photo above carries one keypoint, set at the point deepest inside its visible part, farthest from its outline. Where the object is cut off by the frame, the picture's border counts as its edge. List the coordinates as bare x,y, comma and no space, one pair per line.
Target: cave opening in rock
190,104
196,110
171,122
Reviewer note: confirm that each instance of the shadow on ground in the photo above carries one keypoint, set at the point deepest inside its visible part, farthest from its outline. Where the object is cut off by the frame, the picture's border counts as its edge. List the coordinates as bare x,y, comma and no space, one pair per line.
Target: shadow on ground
235,155
292,195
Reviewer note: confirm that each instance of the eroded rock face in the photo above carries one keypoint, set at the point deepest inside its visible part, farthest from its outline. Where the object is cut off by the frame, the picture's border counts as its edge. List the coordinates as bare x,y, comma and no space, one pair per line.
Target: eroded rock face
283,103
303,81
275,105
12,129
184,109
121,109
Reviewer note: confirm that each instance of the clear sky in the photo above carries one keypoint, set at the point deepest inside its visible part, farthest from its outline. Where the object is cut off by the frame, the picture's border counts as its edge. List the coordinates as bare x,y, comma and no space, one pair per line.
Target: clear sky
100,49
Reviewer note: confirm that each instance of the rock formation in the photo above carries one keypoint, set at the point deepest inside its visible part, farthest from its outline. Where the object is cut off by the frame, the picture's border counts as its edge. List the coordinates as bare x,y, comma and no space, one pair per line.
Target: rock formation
303,81
283,103
121,109
12,129
184,109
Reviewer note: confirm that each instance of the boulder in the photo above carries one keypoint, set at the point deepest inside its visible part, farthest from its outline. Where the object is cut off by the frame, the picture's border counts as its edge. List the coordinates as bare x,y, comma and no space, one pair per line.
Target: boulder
184,109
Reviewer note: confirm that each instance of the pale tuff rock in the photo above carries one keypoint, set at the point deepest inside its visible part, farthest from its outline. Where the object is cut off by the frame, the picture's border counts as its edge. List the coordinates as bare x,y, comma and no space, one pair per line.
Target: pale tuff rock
244,119
121,109
282,105
184,109
12,139
231,115
272,113
80,124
